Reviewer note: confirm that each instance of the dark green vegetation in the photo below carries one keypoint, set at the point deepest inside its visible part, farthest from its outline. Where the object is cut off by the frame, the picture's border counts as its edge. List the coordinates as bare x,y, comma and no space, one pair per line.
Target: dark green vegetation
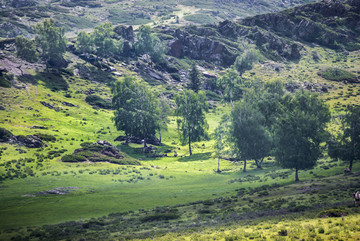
74,165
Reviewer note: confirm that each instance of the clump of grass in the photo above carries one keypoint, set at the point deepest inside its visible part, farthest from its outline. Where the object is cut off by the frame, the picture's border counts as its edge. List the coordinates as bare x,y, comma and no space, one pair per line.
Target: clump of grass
336,74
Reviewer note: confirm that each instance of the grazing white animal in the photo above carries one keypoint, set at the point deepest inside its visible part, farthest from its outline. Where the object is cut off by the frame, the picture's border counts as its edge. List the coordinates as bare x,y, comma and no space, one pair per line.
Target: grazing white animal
356,196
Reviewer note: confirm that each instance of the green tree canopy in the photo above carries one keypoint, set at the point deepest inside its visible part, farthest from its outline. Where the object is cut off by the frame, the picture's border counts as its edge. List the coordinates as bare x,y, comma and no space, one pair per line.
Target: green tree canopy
136,108
346,146
221,136
25,49
191,107
233,85
194,77
105,44
251,140
102,42
85,42
148,43
300,130
52,42
165,110
246,60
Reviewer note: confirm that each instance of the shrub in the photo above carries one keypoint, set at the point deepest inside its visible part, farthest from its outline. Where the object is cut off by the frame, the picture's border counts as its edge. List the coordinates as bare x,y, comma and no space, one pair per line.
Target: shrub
95,100
283,232
332,213
160,217
336,74
73,158
46,137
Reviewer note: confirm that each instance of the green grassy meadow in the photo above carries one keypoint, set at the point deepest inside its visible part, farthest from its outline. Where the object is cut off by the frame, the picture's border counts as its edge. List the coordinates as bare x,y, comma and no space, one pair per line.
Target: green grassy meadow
208,205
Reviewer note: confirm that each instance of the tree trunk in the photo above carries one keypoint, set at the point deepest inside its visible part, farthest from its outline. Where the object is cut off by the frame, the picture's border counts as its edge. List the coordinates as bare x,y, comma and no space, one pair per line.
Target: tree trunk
244,166
296,175
231,101
160,135
190,144
258,164
218,169
350,166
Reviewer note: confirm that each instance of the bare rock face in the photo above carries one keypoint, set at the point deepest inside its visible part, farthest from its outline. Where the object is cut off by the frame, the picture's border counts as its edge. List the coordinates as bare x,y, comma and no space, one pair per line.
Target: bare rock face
196,47
5,135
30,141
125,32
327,23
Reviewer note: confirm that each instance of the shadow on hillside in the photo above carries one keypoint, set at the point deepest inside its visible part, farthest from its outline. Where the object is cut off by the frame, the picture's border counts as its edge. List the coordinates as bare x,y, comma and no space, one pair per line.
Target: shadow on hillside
52,80
196,157
27,78
137,152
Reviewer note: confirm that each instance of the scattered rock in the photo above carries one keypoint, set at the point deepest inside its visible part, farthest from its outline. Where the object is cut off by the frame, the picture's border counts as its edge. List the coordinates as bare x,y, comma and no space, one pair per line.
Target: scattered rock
39,127
5,135
58,191
68,104
2,107
50,106
126,33
29,141
149,149
137,140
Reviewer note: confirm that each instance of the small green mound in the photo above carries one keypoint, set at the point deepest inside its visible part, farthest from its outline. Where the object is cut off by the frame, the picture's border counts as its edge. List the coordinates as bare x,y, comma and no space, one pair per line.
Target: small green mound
332,213
95,152
73,158
336,74
97,101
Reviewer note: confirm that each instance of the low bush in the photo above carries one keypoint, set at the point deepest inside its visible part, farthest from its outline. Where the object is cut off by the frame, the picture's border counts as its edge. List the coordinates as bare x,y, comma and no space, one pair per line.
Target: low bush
332,213
46,137
336,74
160,217
95,100
73,158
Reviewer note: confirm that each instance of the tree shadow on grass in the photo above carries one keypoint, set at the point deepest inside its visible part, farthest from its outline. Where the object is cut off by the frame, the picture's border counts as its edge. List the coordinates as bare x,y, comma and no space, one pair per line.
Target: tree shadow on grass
53,80
196,157
137,151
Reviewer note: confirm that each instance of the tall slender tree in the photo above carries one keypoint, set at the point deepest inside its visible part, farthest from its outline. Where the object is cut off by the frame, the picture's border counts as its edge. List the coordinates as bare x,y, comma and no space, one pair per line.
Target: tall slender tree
346,146
191,108
194,79
232,85
221,136
164,113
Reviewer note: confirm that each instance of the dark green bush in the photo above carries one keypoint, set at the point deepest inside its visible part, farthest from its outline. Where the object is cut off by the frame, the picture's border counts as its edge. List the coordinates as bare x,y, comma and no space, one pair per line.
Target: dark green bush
160,217
46,137
283,232
95,100
336,74
73,158
4,82
332,213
